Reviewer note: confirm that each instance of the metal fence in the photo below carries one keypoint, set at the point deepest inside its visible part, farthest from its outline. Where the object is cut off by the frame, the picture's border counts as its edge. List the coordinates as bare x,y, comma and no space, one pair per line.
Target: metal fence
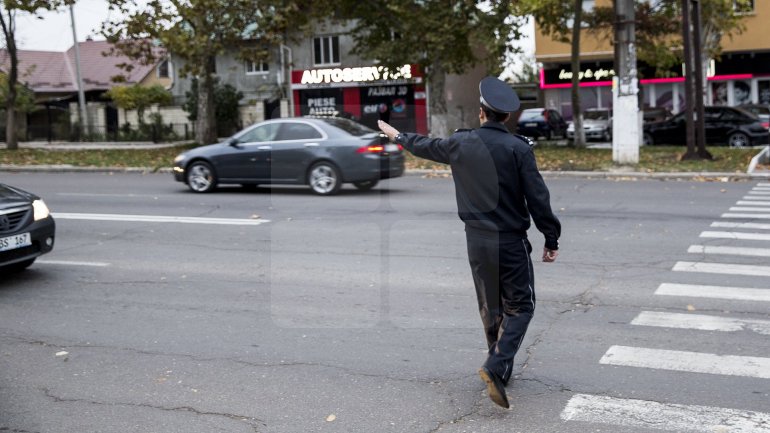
155,132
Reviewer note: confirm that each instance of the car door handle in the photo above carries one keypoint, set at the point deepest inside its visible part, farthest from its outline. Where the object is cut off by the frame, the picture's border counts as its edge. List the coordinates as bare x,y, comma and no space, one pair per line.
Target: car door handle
311,144
264,147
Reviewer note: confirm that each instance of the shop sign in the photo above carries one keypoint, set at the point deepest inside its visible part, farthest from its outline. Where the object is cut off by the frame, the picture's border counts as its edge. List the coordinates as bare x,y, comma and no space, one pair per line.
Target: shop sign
589,74
355,75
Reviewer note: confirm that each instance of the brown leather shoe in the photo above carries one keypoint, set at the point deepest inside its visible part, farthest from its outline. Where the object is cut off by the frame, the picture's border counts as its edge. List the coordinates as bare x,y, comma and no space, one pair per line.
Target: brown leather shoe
495,387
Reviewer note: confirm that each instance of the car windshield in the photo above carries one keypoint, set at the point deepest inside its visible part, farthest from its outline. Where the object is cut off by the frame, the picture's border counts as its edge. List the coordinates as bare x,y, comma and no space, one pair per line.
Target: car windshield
348,126
596,115
535,114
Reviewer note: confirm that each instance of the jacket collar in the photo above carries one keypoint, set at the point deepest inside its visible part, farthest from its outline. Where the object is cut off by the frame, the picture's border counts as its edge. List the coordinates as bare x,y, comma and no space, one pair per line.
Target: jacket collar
495,125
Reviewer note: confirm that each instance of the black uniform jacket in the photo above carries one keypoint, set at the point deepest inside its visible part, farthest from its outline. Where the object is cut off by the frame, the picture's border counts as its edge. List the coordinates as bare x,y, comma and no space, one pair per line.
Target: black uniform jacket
497,182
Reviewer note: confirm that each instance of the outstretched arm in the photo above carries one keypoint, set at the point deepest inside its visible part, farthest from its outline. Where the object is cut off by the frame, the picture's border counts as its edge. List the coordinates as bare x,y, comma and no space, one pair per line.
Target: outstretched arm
434,149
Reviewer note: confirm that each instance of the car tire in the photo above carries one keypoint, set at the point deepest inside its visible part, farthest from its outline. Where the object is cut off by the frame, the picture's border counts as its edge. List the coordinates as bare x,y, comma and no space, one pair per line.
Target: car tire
201,177
366,185
647,139
738,139
607,135
324,178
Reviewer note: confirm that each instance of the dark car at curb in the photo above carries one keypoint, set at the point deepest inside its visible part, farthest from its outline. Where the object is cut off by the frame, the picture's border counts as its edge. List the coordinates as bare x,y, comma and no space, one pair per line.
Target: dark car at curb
321,152
27,229
541,122
730,126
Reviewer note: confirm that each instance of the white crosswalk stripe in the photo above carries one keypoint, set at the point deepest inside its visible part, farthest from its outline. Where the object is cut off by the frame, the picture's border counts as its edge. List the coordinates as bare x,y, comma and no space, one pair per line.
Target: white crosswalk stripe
632,413
690,362
662,416
701,322
734,251
753,203
729,225
736,235
722,268
159,219
714,292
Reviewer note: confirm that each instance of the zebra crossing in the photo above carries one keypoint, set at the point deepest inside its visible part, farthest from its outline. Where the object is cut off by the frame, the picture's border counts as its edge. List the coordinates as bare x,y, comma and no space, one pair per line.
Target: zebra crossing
743,229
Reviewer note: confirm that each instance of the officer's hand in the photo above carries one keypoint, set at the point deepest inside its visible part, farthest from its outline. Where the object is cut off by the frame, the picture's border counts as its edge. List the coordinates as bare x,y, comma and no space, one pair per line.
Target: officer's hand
388,130
549,255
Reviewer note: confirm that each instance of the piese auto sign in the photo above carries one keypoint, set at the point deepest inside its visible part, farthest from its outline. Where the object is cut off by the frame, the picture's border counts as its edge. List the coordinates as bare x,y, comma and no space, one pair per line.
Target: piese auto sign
342,77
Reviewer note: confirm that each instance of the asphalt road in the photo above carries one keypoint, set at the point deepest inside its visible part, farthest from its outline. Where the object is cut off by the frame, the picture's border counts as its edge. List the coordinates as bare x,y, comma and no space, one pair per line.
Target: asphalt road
281,311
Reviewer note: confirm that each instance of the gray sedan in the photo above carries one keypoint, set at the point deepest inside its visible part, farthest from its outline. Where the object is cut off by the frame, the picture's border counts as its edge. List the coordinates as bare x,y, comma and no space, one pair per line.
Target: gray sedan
323,153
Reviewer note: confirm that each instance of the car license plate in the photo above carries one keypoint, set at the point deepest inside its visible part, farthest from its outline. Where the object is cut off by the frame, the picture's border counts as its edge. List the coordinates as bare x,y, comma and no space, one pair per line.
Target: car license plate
391,148
530,125
15,241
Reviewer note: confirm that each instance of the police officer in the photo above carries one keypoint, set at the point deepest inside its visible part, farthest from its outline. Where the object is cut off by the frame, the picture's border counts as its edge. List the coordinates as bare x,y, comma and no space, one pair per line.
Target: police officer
498,187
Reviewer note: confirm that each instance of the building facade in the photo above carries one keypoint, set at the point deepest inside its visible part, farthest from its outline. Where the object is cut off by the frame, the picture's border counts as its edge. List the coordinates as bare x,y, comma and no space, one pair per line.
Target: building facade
740,76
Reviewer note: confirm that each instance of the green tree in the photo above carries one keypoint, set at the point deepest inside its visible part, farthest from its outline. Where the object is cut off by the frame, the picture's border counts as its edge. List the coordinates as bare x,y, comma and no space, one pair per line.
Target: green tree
25,97
139,98
659,30
8,11
226,100
196,31
562,20
443,36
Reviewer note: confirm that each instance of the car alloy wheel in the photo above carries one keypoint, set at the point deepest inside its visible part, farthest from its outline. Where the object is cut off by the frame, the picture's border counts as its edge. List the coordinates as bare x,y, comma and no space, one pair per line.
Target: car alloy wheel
738,139
366,185
324,179
201,177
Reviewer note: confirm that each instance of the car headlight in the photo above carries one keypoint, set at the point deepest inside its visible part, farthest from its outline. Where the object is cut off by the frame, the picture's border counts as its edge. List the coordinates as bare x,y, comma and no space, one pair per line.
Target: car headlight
40,210
179,158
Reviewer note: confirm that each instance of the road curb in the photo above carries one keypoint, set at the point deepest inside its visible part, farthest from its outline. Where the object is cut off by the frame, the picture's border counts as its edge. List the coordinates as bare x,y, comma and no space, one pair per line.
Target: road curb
617,175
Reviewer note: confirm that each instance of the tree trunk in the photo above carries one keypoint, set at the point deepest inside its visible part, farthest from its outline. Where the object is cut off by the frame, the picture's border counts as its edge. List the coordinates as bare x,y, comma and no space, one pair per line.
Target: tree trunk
206,123
439,124
577,113
11,138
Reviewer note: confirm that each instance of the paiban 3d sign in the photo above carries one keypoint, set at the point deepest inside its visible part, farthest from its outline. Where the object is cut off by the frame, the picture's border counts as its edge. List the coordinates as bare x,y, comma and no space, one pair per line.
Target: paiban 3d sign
355,75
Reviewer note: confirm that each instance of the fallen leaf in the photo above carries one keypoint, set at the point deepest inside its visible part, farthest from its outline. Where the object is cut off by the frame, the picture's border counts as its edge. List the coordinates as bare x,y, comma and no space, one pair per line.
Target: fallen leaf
331,418
255,217
690,308
62,353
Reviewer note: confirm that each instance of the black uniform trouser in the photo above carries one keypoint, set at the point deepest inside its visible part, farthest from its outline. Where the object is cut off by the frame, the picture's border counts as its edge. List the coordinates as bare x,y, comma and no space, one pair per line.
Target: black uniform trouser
505,289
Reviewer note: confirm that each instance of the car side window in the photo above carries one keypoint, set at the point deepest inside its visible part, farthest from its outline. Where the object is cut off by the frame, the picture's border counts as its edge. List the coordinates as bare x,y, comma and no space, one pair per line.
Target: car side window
731,115
260,134
711,115
297,131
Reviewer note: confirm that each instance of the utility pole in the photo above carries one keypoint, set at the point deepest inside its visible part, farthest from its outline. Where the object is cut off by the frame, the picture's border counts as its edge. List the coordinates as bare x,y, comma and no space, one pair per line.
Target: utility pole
626,123
81,93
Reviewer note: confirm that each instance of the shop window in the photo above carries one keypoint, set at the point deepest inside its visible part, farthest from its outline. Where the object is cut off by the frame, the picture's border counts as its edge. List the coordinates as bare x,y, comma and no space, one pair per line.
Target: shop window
764,92
743,6
254,68
326,50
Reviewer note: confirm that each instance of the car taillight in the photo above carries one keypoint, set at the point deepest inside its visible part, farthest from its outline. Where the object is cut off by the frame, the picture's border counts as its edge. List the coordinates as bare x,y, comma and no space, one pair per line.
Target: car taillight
372,148
766,125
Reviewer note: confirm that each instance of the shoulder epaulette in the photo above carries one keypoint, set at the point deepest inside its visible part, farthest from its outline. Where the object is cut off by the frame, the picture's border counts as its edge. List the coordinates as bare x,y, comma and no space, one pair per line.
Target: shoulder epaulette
463,130
525,139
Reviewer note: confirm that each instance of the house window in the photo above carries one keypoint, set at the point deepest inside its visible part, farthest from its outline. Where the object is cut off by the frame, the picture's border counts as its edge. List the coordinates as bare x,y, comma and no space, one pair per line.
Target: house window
253,68
743,6
163,69
326,50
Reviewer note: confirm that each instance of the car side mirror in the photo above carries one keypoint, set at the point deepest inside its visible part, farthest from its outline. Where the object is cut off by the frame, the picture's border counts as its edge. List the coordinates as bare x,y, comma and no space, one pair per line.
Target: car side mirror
232,141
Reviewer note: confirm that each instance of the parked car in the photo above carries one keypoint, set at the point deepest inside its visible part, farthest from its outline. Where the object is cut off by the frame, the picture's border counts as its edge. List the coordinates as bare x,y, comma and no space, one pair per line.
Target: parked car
762,111
322,152
655,114
27,229
597,124
729,126
541,122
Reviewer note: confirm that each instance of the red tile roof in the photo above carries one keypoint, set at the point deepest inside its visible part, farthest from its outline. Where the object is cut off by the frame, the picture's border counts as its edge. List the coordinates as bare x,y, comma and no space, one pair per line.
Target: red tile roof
54,72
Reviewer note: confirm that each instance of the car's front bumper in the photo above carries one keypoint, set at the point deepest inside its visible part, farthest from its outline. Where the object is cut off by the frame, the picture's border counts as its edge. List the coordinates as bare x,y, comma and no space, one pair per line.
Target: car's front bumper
42,234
